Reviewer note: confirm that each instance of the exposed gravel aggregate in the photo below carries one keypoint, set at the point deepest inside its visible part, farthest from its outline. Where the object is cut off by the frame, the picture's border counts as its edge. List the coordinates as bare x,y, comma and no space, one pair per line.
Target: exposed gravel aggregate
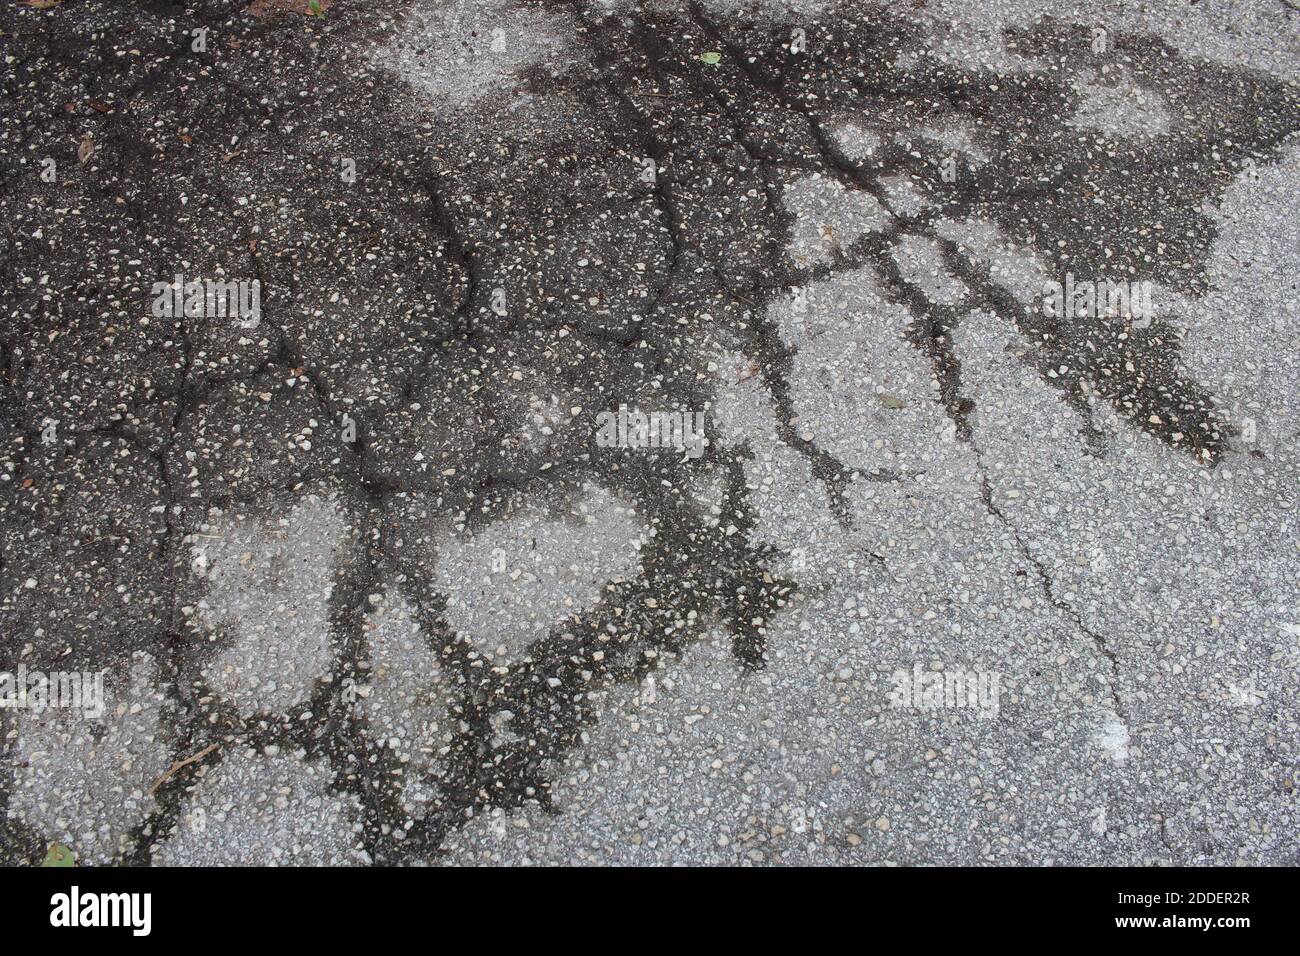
369,582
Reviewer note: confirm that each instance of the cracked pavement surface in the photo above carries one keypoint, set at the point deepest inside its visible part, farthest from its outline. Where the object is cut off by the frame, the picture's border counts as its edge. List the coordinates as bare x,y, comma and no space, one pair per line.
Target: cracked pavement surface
367,586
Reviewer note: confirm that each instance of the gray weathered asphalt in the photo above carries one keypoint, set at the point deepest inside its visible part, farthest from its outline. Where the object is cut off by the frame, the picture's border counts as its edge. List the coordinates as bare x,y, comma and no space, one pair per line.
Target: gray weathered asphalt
380,562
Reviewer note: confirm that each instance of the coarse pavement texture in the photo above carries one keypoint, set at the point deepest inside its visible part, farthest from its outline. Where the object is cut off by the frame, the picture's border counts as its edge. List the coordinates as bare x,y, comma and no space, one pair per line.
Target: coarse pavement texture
956,575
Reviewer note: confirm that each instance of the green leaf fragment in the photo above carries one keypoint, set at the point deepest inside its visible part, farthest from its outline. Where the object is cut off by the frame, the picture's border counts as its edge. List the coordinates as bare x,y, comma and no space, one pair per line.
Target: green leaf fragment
713,58
889,401
59,855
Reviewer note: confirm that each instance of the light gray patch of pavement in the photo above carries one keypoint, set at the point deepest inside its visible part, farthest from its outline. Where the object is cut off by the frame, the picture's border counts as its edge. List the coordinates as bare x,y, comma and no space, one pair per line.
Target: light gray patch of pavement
903,195
459,51
1241,336
1017,269
857,142
407,698
956,138
1179,576
861,390
1112,103
1259,35
828,218
267,600
921,263
265,809
510,583
86,781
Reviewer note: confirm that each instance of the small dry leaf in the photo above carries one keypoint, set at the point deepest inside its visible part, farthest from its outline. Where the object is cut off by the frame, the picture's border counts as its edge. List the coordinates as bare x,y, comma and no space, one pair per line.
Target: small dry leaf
264,9
42,4
185,138
85,149
889,401
99,106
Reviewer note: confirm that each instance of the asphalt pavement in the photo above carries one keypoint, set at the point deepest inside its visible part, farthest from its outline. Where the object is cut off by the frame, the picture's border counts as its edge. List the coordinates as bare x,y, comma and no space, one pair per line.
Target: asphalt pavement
727,432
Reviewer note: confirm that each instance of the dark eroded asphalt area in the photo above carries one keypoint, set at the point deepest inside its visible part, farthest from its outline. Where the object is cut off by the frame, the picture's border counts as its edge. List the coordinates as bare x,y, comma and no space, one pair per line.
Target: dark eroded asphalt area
366,560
